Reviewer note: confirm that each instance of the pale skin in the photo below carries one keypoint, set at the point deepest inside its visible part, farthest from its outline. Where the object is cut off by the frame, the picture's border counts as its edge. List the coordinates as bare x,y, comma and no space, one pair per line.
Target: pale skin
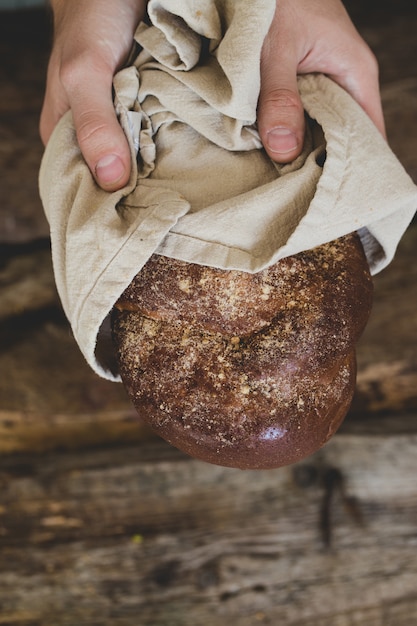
93,39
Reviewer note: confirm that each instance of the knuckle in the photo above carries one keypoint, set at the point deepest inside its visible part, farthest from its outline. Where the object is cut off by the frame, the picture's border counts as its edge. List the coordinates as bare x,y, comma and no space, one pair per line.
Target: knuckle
80,69
283,99
70,73
90,131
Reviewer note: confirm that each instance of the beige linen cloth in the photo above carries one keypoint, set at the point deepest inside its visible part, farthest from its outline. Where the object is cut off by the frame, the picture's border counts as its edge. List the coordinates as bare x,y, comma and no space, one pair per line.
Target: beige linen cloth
202,188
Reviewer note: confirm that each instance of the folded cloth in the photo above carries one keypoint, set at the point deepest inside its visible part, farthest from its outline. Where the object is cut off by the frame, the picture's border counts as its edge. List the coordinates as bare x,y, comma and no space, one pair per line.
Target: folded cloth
202,188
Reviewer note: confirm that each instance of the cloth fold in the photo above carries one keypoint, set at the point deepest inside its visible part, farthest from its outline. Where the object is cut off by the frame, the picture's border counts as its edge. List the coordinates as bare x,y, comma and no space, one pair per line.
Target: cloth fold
202,189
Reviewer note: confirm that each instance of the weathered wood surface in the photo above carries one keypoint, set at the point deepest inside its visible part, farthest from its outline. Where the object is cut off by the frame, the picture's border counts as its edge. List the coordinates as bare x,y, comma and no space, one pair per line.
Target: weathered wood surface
145,536
387,352
101,523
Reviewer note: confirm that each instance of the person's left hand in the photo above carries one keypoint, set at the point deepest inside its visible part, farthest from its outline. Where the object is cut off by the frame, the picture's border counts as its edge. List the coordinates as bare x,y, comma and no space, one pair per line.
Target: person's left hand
92,40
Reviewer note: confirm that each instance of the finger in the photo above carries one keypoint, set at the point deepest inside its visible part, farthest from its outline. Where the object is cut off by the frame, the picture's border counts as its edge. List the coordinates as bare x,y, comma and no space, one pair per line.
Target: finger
280,111
100,136
281,121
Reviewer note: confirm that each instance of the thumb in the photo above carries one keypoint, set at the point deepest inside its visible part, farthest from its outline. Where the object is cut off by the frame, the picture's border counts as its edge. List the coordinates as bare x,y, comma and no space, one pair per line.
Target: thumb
280,111
100,136
281,118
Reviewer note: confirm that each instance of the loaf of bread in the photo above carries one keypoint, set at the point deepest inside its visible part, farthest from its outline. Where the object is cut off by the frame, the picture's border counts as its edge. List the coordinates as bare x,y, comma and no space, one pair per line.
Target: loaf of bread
252,371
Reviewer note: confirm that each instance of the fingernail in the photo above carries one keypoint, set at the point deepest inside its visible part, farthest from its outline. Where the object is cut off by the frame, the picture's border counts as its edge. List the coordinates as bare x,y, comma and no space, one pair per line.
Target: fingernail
281,140
110,169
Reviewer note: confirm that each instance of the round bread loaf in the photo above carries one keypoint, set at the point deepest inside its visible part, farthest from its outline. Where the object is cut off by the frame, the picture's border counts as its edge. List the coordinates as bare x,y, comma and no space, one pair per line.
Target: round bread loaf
245,370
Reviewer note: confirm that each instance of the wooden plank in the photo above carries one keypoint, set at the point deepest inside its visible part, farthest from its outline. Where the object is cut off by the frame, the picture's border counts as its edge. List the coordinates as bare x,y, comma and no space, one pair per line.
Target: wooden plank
387,352
144,535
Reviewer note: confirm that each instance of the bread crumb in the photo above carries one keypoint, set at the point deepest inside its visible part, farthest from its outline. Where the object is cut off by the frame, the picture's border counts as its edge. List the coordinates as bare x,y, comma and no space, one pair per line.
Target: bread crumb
185,285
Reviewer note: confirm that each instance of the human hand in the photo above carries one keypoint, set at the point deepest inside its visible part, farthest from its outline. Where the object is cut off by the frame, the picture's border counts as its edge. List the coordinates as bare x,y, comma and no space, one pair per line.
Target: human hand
92,40
311,36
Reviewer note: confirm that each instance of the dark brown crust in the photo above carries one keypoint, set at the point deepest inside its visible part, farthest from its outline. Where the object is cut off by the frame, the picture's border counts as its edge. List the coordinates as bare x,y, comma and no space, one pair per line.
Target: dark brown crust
242,370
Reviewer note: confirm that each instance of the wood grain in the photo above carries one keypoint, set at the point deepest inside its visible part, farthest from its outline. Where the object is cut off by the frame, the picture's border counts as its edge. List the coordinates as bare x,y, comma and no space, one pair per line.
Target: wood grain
110,537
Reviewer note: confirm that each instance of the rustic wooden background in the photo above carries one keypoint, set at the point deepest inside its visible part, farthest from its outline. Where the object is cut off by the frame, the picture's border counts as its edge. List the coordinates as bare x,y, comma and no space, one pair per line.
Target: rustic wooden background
101,523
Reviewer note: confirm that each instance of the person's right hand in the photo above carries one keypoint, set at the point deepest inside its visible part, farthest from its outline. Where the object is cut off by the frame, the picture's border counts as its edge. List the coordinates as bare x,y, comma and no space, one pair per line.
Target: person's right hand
309,36
92,40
